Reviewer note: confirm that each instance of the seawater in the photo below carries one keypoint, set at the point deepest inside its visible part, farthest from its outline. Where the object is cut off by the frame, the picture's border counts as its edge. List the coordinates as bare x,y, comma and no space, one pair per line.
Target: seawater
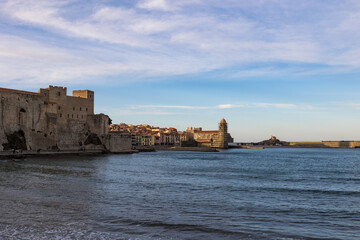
234,194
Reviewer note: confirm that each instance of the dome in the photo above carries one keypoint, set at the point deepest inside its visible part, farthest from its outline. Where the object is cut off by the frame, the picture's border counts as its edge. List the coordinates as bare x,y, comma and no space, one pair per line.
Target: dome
223,121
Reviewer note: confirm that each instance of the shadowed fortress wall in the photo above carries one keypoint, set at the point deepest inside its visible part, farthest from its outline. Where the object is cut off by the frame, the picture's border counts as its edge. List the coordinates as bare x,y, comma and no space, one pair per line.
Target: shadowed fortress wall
49,120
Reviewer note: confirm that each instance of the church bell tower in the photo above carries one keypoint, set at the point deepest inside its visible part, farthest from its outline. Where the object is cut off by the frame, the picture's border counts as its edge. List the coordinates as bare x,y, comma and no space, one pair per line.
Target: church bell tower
222,134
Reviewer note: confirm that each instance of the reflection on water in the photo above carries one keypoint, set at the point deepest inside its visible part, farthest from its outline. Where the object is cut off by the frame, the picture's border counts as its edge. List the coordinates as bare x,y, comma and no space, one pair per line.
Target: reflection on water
235,194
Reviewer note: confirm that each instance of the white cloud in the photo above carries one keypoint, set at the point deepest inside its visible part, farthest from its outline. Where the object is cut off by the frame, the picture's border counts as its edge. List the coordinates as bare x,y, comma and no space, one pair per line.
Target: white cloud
155,5
225,106
275,105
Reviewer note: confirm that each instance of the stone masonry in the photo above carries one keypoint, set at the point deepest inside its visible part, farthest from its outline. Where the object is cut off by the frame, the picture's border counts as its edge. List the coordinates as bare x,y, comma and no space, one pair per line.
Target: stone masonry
215,139
51,120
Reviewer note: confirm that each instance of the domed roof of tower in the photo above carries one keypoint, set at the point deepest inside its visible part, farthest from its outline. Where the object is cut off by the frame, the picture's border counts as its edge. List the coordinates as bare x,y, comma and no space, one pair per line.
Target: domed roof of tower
223,121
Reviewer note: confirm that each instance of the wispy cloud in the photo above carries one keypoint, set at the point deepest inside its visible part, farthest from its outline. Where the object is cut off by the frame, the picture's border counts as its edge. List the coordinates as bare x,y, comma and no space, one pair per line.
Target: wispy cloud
221,106
346,105
274,105
119,112
165,38
155,5
187,107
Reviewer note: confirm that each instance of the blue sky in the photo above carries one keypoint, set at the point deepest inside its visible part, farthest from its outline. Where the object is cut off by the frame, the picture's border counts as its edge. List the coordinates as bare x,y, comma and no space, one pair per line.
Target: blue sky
276,67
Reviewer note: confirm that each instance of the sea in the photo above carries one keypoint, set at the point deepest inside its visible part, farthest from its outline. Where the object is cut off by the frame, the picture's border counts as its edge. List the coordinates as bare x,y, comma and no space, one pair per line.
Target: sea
233,194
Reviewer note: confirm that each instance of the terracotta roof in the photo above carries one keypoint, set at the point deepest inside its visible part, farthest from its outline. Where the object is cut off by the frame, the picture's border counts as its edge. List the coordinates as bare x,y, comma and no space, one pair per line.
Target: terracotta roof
223,121
17,91
207,132
203,140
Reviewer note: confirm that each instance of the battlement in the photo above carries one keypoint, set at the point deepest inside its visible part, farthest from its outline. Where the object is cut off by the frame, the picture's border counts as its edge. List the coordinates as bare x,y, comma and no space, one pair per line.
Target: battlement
51,87
83,94
53,91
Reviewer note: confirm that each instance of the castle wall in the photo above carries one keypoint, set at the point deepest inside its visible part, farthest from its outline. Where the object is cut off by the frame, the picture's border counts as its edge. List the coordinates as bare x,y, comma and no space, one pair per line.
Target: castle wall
21,111
118,142
205,144
205,135
50,119
78,106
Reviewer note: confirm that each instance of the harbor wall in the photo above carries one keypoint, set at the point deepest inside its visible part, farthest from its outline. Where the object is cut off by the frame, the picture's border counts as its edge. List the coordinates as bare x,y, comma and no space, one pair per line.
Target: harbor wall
326,144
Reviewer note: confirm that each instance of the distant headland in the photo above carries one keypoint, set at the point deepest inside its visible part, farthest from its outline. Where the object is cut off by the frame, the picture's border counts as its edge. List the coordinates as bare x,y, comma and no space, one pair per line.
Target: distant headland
273,142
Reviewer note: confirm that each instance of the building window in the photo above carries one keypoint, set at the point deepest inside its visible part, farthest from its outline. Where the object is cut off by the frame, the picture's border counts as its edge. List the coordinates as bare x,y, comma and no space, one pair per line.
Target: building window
82,116
72,115
86,109
59,107
78,116
74,108
60,115
80,108
68,115
58,94
44,94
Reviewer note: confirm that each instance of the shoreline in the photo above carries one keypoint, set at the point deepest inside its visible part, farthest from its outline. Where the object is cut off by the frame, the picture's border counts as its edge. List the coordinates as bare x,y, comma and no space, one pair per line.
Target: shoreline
6,155
192,149
9,155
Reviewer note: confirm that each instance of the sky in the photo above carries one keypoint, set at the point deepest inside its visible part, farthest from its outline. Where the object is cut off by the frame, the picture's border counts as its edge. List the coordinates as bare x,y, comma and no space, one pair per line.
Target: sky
269,67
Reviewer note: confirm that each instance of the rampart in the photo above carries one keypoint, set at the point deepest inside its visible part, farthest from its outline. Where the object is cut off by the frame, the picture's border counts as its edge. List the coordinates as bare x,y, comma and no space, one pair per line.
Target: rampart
51,120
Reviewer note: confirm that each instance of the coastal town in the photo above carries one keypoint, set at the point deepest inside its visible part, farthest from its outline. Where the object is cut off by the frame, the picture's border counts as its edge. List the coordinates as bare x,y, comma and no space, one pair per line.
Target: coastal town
147,135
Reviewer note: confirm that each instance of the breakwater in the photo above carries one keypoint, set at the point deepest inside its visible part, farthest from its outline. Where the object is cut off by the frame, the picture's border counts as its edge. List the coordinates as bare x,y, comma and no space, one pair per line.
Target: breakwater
326,144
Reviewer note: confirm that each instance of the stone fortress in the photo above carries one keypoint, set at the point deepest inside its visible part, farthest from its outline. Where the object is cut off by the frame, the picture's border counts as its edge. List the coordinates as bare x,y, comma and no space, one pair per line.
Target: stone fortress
51,120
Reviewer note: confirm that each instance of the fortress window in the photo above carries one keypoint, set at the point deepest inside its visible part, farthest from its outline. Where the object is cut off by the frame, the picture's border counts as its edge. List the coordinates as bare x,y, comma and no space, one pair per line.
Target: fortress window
60,115
86,109
22,117
58,93
78,116
74,108
80,108
68,115
59,107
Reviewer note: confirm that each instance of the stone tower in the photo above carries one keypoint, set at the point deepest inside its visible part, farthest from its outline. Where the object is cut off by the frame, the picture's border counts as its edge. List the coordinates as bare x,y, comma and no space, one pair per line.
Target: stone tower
222,134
